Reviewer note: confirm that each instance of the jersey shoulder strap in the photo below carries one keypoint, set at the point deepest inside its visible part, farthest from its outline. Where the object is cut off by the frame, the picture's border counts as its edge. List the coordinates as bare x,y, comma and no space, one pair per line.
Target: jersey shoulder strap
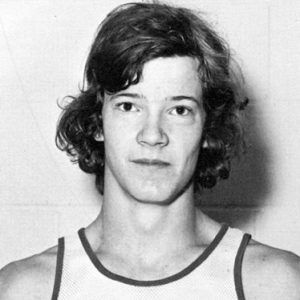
238,266
59,268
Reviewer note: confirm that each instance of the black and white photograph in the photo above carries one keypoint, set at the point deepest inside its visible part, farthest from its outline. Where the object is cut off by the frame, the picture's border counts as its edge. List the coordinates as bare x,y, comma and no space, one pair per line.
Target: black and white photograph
150,150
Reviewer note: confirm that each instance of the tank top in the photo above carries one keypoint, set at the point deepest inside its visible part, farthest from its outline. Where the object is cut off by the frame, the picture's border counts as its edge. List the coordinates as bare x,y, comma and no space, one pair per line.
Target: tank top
214,274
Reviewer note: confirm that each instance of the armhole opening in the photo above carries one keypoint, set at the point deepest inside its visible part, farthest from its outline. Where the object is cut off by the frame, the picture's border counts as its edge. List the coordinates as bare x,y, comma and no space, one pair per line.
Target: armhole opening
238,267
59,268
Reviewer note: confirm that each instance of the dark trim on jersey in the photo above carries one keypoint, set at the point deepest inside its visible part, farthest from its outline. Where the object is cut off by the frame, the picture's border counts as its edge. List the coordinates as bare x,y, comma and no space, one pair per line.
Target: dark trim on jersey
59,268
238,266
203,256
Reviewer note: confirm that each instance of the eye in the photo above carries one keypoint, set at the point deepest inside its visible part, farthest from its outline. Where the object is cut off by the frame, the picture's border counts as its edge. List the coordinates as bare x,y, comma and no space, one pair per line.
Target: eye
127,106
180,111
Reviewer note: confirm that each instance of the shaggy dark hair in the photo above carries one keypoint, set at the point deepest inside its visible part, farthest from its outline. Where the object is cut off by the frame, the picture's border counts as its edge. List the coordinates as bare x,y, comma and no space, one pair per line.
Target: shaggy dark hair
131,35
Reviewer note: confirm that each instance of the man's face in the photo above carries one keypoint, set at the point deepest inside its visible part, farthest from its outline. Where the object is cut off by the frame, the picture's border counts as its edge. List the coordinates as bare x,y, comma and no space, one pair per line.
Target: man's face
152,131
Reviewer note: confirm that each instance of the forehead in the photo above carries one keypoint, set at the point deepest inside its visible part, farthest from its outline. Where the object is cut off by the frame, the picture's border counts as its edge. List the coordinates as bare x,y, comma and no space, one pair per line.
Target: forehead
170,76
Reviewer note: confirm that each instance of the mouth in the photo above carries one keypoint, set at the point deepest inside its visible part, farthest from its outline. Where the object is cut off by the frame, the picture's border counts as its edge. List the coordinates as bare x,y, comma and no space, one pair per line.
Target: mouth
151,162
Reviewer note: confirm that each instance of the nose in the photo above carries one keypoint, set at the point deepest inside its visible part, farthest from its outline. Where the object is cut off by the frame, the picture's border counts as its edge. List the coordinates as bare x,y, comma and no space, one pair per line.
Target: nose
152,133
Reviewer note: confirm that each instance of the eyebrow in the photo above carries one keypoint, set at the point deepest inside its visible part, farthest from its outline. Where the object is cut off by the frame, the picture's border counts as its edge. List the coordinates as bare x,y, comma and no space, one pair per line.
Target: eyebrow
139,96
183,97
129,95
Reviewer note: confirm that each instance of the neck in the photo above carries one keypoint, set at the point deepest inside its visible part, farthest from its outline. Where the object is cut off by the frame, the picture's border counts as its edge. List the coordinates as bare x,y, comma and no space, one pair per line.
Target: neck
146,230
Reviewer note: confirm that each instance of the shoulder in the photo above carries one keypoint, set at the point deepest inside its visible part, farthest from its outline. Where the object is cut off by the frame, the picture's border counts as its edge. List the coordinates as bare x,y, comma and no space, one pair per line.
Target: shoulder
33,276
270,273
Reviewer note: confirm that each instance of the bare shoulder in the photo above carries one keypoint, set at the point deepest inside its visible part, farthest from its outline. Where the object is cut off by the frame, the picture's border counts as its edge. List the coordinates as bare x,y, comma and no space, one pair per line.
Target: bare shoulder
32,276
270,273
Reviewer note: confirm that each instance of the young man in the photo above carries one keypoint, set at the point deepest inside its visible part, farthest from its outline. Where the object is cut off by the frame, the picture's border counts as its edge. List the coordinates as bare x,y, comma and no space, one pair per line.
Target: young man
157,121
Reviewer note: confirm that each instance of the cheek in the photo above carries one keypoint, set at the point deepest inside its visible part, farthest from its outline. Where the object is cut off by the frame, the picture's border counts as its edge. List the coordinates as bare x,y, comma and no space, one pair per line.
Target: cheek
114,129
117,125
190,138
187,152
191,145
117,140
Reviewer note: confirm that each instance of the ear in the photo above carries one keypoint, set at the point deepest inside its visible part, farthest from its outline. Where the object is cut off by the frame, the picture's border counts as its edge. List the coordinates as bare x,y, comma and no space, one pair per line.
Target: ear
99,137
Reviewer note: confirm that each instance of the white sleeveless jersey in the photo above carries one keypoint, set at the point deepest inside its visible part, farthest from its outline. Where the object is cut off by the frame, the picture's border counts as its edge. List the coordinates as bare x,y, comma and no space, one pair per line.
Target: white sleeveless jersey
215,274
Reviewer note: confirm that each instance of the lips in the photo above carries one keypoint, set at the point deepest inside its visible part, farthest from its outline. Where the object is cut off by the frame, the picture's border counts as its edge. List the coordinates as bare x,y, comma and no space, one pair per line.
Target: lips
151,162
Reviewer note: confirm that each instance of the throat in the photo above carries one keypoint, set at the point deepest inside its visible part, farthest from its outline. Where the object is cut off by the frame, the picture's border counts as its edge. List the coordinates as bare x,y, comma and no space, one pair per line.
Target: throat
148,221
149,245
148,230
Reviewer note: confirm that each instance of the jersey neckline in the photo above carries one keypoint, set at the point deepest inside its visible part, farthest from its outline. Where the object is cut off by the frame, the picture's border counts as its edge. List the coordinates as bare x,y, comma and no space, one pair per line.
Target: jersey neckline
192,266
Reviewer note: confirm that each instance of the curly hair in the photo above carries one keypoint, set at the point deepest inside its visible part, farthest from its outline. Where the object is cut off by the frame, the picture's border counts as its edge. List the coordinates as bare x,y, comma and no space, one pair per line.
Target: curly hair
131,35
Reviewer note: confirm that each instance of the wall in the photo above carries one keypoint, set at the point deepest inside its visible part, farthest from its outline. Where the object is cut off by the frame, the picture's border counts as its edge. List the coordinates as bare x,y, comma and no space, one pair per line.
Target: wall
43,46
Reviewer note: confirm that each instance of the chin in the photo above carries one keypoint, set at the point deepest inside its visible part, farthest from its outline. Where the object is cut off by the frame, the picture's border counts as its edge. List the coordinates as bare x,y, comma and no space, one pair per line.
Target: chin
157,195
150,199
